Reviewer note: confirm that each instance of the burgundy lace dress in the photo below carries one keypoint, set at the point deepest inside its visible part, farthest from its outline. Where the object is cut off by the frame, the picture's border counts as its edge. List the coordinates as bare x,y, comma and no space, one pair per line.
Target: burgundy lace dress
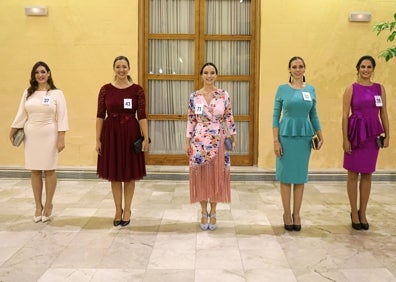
118,108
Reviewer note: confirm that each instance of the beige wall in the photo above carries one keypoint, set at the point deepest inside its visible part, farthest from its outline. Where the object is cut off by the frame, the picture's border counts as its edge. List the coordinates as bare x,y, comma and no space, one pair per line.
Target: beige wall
320,32
79,41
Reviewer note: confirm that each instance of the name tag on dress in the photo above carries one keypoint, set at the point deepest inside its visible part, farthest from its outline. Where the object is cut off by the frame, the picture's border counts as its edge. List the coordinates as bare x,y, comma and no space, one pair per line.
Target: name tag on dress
199,109
378,100
46,100
306,96
127,103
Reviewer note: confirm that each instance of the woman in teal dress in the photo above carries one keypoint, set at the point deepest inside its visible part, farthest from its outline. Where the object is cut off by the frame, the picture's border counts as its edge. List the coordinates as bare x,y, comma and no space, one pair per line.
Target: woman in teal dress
295,121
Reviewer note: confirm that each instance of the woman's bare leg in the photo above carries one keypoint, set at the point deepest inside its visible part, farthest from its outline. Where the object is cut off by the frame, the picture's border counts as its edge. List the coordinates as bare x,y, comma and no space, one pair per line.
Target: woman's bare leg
129,190
50,187
364,189
116,188
285,191
353,195
37,187
298,192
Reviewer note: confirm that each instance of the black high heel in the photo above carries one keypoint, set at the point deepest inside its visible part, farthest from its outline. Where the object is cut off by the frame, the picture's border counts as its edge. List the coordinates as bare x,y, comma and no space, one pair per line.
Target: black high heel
117,222
365,226
288,227
356,226
296,227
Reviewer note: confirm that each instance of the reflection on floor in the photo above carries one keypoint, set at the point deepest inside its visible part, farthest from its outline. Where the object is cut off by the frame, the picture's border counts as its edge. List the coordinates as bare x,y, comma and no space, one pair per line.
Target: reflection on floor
164,241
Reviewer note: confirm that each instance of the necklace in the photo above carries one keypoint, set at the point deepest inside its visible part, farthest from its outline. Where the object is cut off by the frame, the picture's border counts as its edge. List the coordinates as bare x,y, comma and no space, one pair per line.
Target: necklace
206,92
297,85
121,85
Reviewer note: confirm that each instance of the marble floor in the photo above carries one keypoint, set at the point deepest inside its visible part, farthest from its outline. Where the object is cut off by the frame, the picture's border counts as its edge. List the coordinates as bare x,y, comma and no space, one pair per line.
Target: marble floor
164,242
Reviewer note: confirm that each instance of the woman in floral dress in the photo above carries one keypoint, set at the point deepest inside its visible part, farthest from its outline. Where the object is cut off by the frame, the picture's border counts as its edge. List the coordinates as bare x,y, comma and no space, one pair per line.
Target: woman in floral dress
209,120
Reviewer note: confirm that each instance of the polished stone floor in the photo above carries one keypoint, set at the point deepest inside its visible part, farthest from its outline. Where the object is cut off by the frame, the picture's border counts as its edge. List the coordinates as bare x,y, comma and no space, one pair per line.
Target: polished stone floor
164,242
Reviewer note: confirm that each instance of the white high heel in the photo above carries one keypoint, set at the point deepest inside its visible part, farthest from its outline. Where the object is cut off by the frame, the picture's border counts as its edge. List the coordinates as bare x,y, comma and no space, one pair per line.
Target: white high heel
37,218
46,218
214,225
204,226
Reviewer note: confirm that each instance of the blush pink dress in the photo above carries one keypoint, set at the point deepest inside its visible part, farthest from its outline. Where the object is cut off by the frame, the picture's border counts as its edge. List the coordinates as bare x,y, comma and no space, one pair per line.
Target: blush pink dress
42,115
209,161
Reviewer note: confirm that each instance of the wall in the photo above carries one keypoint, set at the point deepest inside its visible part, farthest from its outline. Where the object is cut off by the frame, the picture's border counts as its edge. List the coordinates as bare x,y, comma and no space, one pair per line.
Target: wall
321,33
79,41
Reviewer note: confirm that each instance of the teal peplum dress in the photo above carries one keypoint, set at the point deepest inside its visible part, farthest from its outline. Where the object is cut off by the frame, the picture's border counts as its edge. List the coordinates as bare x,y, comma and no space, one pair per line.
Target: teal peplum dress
296,117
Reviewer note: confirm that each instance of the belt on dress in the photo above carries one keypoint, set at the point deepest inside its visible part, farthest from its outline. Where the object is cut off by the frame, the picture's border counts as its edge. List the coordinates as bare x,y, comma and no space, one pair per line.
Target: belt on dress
122,117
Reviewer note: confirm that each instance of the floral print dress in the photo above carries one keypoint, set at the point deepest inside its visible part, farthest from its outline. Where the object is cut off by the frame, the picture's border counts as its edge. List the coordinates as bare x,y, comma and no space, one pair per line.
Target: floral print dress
209,161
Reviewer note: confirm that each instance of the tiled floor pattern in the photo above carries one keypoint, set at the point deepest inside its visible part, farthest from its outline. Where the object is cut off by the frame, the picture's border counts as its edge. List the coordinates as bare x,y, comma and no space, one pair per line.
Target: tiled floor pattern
164,242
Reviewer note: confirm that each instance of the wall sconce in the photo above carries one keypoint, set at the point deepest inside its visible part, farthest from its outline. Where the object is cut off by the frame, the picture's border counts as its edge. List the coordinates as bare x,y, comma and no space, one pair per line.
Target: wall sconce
359,16
36,10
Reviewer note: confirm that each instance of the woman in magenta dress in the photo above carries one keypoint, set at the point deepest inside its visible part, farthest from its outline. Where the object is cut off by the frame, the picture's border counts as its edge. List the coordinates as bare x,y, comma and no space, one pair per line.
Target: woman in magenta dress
116,130
209,117
364,118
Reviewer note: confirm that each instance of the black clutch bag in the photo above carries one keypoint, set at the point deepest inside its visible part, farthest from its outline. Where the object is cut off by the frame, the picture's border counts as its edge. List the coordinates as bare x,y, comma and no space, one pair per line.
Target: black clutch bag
137,145
380,141
315,142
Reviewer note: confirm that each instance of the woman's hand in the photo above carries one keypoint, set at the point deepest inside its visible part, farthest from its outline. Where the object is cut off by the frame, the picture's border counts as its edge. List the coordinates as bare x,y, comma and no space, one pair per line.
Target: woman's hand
12,133
386,142
61,145
278,149
145,145
98,147
346,145
187,149
320,143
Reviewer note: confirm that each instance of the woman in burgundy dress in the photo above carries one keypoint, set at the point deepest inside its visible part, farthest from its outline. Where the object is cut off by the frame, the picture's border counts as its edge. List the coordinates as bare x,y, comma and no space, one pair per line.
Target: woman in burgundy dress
116,130
364,118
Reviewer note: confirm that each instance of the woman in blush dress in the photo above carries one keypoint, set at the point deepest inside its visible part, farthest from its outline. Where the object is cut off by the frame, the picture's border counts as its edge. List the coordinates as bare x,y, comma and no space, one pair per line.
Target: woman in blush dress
364,118
43,115
296,103
117,128
209,118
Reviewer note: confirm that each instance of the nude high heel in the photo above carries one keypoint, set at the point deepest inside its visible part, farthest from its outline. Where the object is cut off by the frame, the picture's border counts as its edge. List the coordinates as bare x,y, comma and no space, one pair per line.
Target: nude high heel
46,218
37,218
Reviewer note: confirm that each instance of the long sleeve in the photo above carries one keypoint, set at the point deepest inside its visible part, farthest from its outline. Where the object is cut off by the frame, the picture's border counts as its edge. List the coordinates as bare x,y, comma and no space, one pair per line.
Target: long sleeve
313,115
141,110
21,116
228,116
277,110
191,118
101,109
61,112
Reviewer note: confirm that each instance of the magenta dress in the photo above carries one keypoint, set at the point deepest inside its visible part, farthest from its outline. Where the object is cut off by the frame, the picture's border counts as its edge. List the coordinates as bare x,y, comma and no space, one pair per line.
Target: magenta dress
363,128
118,108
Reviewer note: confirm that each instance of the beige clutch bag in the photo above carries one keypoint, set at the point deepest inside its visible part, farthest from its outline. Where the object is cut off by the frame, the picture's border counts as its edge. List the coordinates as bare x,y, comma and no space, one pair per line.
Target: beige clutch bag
18,137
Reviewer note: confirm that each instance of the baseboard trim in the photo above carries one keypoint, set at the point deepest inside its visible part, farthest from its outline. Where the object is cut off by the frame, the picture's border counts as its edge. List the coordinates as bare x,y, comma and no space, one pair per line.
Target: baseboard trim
158,173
